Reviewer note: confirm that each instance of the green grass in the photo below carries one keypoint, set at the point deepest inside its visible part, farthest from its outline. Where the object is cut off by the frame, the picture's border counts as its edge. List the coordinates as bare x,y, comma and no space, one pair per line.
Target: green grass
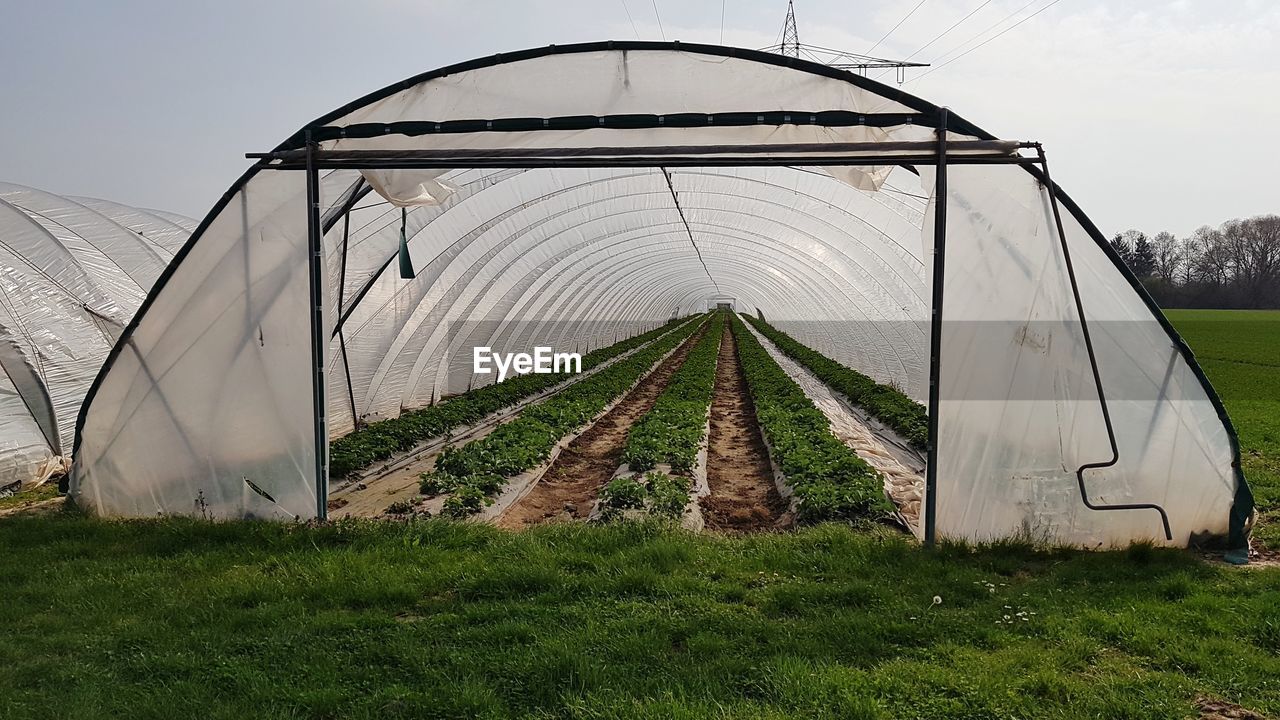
40,493
1240,353
440,619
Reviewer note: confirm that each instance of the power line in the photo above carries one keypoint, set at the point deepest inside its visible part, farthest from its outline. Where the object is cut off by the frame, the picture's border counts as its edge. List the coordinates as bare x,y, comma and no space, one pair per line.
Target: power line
946,55
895,27
655,14
942,34
984,42
633,22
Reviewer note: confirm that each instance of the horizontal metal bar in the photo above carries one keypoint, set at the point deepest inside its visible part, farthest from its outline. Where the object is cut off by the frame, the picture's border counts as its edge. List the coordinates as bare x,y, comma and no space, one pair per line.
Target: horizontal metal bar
955,146
594,162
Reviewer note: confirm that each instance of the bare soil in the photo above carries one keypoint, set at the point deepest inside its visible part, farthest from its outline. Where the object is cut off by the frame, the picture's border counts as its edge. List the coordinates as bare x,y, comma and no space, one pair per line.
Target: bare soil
743,495
570,486
1211,709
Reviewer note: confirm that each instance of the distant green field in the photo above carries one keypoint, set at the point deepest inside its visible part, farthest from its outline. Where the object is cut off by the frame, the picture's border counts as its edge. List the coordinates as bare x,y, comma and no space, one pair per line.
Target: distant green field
1240,352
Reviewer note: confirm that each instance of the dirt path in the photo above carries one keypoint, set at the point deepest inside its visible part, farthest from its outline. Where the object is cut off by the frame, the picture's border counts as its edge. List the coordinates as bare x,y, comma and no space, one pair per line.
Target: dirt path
743,495
569,486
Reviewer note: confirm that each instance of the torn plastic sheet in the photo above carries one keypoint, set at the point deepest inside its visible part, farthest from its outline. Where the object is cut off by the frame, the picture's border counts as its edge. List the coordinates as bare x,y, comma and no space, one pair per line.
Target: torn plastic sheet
410,188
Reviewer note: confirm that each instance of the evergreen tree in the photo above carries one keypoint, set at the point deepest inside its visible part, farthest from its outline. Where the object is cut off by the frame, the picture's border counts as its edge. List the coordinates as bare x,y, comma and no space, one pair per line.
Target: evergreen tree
1143,259
1123,249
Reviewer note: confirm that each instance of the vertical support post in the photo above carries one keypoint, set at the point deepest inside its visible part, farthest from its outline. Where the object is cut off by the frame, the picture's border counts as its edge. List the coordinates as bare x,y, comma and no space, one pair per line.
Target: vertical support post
342,298
935,332
319,342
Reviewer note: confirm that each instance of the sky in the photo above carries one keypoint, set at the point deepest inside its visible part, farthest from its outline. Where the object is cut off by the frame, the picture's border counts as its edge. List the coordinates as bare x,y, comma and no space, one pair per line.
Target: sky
1155,114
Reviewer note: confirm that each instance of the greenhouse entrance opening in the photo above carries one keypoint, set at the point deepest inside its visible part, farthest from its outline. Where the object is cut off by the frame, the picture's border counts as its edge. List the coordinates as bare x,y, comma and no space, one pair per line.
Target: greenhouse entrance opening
412,166
488,204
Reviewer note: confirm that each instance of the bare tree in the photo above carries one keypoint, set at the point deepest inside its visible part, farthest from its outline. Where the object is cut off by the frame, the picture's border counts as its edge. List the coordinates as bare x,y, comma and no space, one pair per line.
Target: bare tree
1169,255
1236,265
1253,248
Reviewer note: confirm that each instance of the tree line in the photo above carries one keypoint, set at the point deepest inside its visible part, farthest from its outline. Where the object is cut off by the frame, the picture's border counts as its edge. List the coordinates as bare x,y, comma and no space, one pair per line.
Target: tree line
1235,265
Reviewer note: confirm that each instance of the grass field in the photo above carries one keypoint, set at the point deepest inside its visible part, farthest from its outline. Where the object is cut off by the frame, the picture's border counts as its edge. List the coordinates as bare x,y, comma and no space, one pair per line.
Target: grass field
1240,353
174,618
439,619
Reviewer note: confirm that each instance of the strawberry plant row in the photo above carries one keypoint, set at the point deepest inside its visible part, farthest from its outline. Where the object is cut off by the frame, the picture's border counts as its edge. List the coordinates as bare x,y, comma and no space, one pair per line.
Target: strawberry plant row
672,431
476,469
905,416
831,482
381,440
657,493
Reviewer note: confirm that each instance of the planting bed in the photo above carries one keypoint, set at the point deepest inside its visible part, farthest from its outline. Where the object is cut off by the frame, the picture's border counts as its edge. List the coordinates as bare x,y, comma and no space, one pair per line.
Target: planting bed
672,431
665,458
395,483
900,464
830,481
905,416
473,473
570,486
743,494
384,439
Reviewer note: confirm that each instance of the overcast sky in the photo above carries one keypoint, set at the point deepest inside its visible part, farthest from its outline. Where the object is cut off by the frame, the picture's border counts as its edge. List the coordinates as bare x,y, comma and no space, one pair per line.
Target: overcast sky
1156,114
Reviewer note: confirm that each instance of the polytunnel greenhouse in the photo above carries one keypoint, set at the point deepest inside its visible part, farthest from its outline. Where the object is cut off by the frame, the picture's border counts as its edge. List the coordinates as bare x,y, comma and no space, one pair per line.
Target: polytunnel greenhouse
574,196
74,271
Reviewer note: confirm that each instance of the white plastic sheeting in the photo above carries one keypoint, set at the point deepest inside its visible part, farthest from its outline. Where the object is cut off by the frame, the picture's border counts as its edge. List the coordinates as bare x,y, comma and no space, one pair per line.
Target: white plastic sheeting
215,419
1020,411
72,273
206,407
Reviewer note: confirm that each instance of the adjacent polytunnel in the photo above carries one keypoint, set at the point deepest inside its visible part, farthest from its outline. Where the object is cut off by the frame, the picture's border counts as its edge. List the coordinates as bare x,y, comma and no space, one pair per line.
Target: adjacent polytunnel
72,273
569,196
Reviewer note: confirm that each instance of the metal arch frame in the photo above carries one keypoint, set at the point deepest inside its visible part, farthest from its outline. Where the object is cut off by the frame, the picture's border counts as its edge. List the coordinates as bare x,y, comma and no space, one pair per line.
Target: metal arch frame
37,398
902,252
625,307
478,231
1243,501
570,264
118,230
63,251
748,237
487,224
855,263
867,248
118,212
842,290
618,302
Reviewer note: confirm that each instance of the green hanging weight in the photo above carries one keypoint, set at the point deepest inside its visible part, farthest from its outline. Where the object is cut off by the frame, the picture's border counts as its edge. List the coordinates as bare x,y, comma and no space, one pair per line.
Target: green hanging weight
406,262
